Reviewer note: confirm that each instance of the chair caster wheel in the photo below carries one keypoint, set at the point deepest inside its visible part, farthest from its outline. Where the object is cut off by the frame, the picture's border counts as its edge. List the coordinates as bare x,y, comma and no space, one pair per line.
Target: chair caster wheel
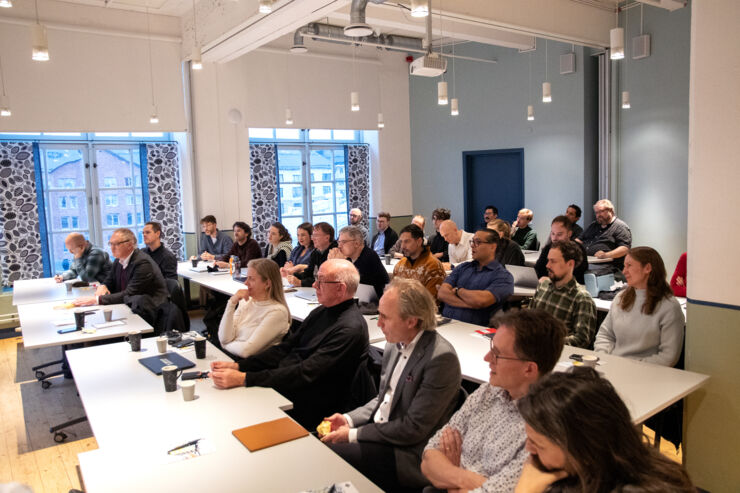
40,374
60,436
45,384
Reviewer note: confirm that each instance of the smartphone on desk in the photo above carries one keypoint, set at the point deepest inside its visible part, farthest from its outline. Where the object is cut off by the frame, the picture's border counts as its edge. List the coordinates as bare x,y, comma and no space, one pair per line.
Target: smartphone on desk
67,330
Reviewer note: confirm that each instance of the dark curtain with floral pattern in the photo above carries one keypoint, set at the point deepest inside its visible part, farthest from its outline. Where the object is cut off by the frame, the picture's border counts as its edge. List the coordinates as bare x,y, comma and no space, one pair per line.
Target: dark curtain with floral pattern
165,193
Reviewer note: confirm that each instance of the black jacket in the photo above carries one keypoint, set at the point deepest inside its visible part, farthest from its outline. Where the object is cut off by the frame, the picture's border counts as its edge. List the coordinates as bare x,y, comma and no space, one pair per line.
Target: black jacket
391,237
317,258
318,366
509,253
165,260
371,270
578,271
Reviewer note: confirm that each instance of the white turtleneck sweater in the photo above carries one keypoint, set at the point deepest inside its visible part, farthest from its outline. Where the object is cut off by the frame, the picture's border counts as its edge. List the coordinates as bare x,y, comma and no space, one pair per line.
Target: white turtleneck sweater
252,326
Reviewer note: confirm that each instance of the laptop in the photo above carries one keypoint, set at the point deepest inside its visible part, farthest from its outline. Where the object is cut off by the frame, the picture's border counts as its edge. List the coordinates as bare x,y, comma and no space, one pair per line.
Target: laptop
156,363
307,295
366,294
524,277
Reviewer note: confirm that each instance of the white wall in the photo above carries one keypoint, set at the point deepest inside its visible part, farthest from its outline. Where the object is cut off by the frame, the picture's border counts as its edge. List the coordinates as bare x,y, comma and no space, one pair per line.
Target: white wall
261,85
98,76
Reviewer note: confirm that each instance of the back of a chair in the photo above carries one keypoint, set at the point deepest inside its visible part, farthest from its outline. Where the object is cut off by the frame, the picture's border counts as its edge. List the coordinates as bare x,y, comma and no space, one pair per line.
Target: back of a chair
178,298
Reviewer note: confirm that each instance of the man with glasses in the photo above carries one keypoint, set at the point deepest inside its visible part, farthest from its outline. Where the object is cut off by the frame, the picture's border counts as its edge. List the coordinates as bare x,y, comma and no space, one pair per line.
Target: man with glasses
91,264
213,242
475,290
352,247
134,279
323,242
386,237
482,446
322,365
355,219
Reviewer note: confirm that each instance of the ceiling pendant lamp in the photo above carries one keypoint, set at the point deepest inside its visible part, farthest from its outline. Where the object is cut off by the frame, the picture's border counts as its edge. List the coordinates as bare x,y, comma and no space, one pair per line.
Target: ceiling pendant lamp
530,112
354,101
154,118
6,4
546,88
442,93
39,43
4,103
454,107
195,59
419,8
381,123
616,45
288,116
625,100
530,108
265,6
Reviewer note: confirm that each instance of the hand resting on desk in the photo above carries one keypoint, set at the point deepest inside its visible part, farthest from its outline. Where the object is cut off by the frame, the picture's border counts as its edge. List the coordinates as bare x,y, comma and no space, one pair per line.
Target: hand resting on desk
226,375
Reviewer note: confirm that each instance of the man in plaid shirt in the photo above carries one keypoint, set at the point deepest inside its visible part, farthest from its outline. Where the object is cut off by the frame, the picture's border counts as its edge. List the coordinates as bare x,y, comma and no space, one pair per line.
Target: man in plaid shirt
564,298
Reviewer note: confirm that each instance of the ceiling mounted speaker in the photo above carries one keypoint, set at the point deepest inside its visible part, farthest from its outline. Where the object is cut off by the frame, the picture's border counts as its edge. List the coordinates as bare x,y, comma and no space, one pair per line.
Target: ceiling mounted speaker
568,64
641,47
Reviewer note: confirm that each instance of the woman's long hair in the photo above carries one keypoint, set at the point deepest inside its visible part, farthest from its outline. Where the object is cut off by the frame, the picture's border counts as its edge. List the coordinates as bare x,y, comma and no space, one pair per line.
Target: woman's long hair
657,286
581,413
308,228
268,270
282,231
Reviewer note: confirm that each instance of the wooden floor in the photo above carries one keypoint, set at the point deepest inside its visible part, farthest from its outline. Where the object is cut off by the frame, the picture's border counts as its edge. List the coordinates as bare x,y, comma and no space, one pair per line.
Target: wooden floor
28,453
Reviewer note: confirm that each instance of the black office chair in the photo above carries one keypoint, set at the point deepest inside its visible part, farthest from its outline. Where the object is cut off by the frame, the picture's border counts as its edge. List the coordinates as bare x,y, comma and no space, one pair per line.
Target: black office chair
178,298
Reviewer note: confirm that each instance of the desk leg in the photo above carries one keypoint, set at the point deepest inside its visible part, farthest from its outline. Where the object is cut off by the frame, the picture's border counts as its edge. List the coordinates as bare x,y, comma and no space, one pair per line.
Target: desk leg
188,300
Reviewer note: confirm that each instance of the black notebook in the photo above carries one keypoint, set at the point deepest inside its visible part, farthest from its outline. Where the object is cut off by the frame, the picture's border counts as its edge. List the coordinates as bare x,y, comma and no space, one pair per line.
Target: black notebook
156,363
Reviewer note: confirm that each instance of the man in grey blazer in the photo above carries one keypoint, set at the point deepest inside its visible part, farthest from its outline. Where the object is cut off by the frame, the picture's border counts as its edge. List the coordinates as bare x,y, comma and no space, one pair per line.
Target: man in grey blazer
419,387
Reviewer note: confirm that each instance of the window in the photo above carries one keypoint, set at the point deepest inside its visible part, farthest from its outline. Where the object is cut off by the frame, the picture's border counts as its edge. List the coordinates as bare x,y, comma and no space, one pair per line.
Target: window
72,202
129,199
111,219
65,222
129,218
62,202
139,218
75,222
66,183
127,181
111,200
110,182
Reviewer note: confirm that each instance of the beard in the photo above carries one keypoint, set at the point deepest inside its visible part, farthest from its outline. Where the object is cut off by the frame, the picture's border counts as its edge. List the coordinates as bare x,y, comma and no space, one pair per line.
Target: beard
553,277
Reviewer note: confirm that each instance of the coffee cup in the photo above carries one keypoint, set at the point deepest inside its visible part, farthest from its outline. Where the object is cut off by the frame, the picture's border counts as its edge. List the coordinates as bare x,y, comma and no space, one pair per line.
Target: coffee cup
195,261
200,347
589,360
170,374
134,338
162,344
80,319
388,259
68,285
108,314
188,390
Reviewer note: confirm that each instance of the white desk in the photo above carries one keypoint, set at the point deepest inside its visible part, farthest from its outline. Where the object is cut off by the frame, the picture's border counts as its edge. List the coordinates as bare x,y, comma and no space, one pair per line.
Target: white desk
605,305
37,324
645,388
47,289
135,422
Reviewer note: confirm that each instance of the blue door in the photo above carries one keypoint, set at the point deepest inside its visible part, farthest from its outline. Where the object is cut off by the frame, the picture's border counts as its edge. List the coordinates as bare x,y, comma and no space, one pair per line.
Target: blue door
495,178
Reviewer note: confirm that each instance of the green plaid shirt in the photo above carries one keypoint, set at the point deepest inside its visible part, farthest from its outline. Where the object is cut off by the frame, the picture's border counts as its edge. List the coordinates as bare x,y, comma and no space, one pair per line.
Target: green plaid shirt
573,305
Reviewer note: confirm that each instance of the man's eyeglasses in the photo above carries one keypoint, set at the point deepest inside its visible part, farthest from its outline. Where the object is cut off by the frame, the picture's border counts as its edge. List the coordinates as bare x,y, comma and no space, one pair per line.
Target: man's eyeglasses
319,282
496,356
116,243
342,242
477,242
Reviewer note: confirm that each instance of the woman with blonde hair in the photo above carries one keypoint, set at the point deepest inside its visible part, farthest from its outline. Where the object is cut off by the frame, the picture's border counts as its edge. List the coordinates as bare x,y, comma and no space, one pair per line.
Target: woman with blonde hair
256,317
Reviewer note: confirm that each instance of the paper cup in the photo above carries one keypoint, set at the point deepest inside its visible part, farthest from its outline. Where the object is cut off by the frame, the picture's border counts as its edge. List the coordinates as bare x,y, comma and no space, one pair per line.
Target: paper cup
188,390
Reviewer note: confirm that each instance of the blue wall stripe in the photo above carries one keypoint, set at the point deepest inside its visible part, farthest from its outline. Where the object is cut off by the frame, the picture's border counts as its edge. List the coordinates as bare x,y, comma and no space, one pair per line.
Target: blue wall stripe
144,180
40,203
713,304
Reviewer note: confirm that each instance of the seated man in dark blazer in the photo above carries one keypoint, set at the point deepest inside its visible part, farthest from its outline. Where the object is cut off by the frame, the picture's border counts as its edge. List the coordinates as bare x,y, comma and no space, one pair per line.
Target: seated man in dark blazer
134,279
386,237
419,387
322,365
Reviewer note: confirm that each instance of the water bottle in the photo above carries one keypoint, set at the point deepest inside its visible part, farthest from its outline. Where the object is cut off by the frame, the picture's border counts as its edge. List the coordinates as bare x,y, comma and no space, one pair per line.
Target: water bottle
234,267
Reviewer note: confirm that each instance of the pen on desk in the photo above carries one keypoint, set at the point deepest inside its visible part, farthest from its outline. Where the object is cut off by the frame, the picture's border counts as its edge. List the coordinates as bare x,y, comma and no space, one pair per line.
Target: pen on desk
179,447
373,318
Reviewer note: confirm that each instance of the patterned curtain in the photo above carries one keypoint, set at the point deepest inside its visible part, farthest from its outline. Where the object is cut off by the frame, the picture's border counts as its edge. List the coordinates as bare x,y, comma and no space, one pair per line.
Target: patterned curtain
265,196
358,179
20,246
165,196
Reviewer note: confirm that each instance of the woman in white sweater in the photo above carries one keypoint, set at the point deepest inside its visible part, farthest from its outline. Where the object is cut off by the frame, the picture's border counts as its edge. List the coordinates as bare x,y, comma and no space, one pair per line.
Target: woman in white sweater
256,317
645,321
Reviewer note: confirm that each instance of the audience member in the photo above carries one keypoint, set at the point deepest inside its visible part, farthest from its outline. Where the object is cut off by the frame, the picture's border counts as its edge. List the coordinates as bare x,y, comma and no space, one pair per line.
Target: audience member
419,386
396,249
524,235
321,366
475,290
678,281
165,259
437,243
301,254
134,279
323,241
490,214
245,247
459,242
385,238
351,246
482,448
257,317
573,212
561,230
212,241
355,219
279,244
581,438
607,237
90,264
418,262
507,252
560,295
645,321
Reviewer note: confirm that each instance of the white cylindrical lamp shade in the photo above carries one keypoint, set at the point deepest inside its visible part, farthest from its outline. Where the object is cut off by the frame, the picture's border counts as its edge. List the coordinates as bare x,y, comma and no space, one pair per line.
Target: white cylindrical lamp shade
442,93
546,92
381,122
154,118
354,101
195,59
616,43
265,6
625,100
288,116
6,4
40,45
454,107
419,8
4,106
530,112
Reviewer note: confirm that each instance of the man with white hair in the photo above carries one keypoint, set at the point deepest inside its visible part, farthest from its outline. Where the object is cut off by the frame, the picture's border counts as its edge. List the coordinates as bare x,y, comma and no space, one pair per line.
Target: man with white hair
90,262
355,219
607,237
321,366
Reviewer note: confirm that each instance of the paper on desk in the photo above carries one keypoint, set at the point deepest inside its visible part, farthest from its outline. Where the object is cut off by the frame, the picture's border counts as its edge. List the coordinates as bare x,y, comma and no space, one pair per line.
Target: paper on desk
343,487
60,323
112,323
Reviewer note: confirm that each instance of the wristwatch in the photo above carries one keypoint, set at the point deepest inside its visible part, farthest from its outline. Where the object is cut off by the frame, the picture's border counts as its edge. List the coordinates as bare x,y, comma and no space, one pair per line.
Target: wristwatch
456,291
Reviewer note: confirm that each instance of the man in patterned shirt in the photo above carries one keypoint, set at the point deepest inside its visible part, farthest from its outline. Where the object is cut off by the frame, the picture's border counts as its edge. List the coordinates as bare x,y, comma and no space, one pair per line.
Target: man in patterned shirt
90,262
482,447
564,298
418,262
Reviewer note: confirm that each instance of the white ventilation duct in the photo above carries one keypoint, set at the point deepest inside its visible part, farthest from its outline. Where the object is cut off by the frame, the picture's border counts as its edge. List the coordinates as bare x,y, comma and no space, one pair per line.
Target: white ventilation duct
357,27
336,34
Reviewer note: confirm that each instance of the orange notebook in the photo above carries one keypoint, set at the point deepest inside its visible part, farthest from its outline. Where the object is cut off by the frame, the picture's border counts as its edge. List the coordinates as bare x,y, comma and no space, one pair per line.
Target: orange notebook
269,433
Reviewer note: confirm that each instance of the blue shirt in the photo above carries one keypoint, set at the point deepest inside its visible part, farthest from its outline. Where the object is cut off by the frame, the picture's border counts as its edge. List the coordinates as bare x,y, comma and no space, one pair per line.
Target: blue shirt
492,277
297,258
379,245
